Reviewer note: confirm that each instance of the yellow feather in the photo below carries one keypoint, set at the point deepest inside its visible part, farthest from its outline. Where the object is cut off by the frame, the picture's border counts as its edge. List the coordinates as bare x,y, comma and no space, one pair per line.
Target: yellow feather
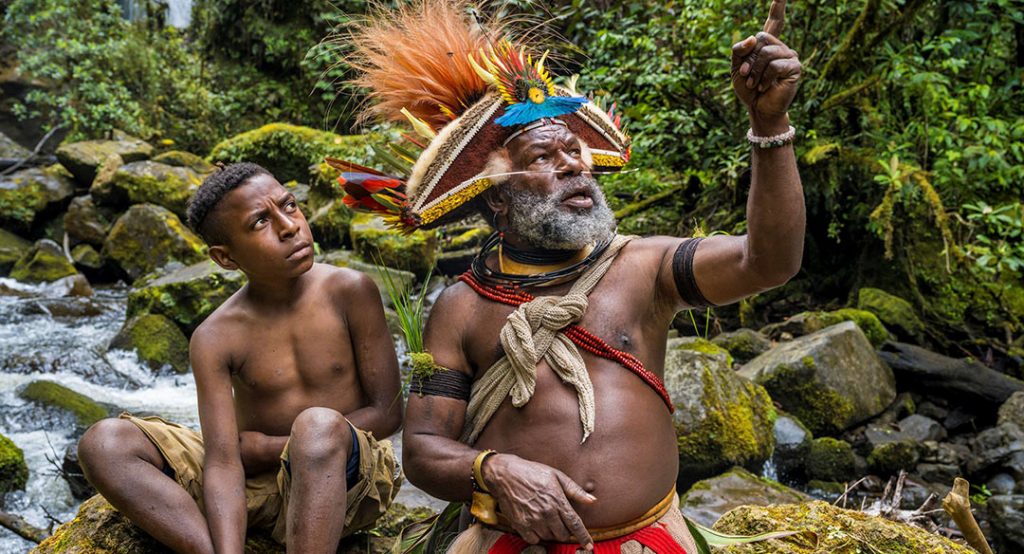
420,126
483,73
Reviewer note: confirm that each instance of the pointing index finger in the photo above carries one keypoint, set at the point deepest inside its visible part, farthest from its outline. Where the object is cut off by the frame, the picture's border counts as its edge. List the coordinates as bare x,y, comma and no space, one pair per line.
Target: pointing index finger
776,18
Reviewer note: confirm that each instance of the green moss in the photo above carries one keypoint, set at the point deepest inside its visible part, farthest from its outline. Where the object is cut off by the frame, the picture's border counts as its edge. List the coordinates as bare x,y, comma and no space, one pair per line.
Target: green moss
375,242
867,321
48,393
186,296
830,460
459,238
703,346
13,471
821,409
743,344
179,158
45,262
83,158
892,310
147,237
12,248
25,193
423,363
154,183
156,340
87,256
889,458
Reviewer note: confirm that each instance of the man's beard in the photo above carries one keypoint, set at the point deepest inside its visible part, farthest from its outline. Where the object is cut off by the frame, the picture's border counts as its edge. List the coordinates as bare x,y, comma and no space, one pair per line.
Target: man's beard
543,222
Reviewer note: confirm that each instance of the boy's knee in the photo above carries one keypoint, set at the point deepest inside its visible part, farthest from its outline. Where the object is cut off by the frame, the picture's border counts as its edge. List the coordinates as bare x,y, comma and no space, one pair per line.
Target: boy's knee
104,440
320,433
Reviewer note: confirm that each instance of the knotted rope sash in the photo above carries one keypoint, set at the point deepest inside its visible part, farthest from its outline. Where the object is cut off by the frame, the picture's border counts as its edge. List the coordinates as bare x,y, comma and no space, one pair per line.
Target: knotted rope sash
544,328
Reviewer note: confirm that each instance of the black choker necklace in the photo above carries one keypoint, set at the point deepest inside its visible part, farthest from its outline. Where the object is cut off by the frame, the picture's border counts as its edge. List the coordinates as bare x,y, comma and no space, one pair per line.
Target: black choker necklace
489,276
537,257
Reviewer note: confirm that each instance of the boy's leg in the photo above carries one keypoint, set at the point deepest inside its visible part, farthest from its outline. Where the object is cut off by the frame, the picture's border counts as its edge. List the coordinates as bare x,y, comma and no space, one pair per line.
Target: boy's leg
128,470
318,452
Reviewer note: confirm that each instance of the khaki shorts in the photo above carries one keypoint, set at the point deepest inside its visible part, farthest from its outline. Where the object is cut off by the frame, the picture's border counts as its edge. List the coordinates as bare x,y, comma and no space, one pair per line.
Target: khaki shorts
266,496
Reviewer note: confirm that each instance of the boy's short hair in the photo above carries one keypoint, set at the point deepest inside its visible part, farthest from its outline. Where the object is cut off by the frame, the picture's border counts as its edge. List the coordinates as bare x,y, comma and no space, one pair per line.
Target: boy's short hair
210,193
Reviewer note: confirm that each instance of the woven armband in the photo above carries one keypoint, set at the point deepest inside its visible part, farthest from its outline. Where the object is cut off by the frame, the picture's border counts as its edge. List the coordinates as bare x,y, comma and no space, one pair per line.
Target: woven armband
443,382
682,272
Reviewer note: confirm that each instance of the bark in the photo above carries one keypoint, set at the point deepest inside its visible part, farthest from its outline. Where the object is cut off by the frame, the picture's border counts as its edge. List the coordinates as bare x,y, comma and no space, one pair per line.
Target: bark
22,528
967,381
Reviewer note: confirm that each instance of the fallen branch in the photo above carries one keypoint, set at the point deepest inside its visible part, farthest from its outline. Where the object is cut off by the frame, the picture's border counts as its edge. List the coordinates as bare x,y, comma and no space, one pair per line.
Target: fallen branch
22,528
970,382
958,505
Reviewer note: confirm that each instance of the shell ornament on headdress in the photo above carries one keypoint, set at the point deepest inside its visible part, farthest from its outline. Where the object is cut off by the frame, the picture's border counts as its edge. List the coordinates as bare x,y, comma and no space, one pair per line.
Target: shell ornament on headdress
466,95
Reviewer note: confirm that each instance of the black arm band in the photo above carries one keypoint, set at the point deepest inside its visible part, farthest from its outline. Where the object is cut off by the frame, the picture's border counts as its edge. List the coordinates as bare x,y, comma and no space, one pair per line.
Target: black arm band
443,382
682,272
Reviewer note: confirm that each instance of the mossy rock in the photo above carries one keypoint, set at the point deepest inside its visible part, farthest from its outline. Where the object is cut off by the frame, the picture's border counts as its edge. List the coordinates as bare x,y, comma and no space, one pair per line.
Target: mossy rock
13,471
708,500
806,323
460,237
889,458
186,295
148,237
830,460
831,379
156,340
375,242
48,393
12,150
102,189
721,419
743,344
26,193
330,224
12,248
86,222
701,346
835,530
149,182
43,263
86,256
288,151
83,158
896,313
345,258
180,158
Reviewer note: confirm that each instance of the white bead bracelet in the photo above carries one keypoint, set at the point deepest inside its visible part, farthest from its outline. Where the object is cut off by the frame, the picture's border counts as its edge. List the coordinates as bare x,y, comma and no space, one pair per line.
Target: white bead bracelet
773,141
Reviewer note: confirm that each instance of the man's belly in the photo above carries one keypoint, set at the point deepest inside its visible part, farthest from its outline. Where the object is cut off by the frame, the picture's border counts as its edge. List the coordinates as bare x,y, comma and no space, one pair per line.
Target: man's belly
629,462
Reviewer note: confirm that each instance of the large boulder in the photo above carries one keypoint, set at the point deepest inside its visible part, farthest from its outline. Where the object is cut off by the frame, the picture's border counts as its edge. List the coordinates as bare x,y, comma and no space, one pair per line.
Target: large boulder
43,263
155,183
743,344
179,158
156,340
13,471
289,151
148,237
12,248
56,396
708,500
831,379
26,193
896,313
186,295
83,158
1012,411
721,419
830,460
1006,515
86,222
11,150
375,242
809,322
836,531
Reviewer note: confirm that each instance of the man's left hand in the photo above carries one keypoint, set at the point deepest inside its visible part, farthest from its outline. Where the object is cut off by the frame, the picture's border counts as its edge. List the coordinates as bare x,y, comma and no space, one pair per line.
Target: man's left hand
765,73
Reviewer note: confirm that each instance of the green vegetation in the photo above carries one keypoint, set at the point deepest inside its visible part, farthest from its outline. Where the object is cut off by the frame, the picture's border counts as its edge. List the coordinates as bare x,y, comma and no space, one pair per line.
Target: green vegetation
13,471
830,460
55,395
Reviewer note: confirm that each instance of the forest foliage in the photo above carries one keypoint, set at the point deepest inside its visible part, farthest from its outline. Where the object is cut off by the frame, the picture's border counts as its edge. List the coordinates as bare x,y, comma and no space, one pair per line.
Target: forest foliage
909,118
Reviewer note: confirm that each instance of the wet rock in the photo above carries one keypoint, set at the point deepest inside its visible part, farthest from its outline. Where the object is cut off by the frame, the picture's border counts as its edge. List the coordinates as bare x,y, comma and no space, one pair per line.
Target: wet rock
999,448
186,295
149,182
102,189
12,248
1001,483
55,395
1012,411
831,379
44,262
894,312
148,237
743,344
837,531
179,158
374,241
83,158
86,256
288,151
12,150
900,408
330,223
830,460
25,194
13,471
708,500
63,307
920,428
810,322
792,445
890,458
347,259
938,473
71,471
932,410
1006,515
86,222
721,419
156,340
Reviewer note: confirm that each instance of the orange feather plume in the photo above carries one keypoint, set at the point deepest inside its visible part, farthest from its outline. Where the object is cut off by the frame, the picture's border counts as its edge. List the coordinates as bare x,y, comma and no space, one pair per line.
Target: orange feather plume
417,57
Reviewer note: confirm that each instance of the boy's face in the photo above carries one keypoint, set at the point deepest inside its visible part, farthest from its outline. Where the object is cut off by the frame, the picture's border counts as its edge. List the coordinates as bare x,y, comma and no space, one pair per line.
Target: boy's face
266,234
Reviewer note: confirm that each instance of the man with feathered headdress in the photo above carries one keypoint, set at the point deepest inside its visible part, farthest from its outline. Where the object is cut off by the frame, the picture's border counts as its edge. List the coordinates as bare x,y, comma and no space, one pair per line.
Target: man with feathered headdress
543,404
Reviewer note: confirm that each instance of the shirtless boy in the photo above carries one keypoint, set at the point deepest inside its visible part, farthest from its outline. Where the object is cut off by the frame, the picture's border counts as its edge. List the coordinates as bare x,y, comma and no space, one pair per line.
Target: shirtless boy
295,374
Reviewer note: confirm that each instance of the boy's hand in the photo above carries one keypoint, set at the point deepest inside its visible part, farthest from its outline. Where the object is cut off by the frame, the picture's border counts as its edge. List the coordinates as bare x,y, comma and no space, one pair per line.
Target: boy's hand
260,453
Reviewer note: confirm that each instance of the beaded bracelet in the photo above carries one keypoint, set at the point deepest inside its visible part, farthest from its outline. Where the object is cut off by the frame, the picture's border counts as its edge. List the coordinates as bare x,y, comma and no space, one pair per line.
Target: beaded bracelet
773,141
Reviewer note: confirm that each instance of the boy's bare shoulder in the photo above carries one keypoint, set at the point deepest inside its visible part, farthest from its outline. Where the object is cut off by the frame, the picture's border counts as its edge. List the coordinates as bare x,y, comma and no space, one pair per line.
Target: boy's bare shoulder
344,284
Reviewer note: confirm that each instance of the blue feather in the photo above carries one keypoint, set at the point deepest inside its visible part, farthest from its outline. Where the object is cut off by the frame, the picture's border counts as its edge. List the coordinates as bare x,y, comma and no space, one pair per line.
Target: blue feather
528,112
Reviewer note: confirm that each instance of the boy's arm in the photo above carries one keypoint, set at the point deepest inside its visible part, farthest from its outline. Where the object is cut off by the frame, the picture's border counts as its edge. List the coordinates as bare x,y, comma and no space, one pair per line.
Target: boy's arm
223,478
374,352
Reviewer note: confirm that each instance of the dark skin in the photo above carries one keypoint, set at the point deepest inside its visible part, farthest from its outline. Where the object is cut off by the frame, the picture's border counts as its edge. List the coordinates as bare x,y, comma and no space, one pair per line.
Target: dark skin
284,357
548,485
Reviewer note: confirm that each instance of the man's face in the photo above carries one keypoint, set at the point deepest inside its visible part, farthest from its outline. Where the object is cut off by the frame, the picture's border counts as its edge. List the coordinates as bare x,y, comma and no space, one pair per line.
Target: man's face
266,233
557,204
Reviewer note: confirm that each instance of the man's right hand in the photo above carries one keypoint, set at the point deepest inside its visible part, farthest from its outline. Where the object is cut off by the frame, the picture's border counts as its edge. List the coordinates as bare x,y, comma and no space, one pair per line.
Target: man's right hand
535,499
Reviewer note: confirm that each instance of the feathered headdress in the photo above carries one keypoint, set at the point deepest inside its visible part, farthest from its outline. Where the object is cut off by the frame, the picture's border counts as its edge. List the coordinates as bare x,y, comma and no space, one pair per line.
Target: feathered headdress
466,89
